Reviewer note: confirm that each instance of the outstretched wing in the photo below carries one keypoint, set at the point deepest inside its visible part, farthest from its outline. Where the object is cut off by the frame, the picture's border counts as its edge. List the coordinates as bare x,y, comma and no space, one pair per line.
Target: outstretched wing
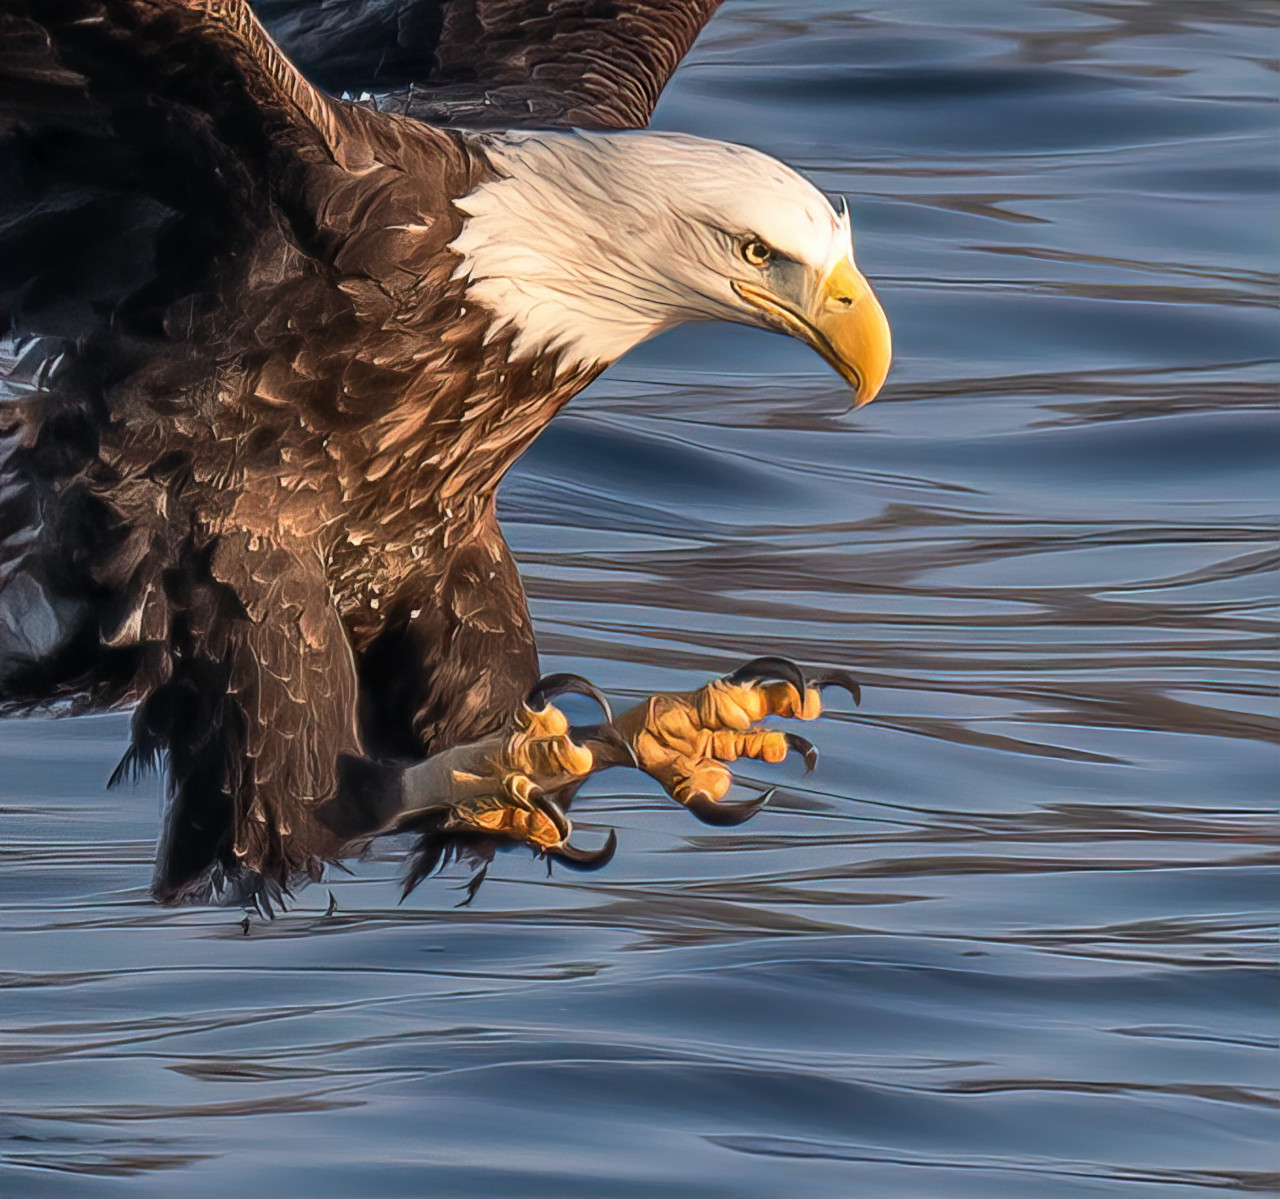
140,148
495,64
125,120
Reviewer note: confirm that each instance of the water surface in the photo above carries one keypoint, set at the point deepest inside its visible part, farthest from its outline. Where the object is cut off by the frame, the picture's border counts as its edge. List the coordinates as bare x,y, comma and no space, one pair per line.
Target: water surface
1016,936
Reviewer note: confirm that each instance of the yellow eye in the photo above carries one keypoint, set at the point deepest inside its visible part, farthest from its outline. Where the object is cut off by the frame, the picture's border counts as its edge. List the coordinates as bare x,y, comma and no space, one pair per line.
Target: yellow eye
756,252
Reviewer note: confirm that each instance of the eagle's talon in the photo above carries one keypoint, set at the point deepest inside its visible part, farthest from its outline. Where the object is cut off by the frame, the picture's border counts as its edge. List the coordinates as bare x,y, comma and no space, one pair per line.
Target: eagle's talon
608,746
512,787
720,814
802,745
688,740
550,686
571,855
554,813
839,678
585,859
769,670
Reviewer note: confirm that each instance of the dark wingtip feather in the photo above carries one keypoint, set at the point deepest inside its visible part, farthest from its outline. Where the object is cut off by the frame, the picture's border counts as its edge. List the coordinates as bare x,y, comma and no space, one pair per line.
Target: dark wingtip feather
141,759
437,848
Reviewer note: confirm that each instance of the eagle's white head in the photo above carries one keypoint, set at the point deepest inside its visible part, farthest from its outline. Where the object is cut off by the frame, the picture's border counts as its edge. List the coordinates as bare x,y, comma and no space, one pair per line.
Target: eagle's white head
586,244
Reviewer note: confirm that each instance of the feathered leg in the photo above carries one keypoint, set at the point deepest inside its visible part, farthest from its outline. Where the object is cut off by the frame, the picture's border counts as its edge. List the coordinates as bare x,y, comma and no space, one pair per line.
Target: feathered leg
257,708
512,786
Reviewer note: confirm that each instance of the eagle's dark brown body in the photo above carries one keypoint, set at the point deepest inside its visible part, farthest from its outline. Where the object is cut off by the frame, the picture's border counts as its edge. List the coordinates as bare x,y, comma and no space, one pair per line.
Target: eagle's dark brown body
263,466
251,425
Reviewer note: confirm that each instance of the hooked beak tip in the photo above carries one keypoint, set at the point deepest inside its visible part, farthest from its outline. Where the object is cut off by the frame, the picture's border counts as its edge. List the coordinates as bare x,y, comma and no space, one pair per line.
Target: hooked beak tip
846,326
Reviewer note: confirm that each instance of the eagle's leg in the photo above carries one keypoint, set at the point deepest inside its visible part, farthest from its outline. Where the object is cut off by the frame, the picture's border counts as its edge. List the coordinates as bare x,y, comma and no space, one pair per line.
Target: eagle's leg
509,786
684,740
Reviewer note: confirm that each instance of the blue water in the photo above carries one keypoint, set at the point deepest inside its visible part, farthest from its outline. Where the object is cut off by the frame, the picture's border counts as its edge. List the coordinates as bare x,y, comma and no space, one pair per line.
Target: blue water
1016,937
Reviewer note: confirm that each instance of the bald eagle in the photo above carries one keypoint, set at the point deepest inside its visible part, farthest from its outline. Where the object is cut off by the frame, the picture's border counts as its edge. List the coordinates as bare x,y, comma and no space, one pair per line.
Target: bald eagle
269,353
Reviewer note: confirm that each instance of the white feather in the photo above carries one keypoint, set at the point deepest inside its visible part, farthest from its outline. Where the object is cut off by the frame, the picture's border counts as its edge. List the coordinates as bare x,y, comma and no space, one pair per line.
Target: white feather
590,243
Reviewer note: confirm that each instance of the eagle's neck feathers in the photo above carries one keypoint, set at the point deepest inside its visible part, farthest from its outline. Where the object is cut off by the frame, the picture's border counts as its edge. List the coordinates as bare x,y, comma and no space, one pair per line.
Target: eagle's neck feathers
572,247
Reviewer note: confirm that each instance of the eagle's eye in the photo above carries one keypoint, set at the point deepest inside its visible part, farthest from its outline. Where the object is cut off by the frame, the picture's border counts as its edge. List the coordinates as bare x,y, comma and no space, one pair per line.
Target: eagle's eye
756,252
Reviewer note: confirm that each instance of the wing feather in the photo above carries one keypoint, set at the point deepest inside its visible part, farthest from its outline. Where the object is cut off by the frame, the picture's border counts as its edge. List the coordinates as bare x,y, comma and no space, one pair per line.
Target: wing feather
494,63
125,122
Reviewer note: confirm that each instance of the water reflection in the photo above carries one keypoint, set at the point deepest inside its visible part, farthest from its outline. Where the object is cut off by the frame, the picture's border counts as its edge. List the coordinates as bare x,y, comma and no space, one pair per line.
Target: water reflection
1016,936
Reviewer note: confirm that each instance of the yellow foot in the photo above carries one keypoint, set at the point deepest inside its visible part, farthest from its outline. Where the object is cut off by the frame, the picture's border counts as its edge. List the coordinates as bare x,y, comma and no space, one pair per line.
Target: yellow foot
684,740
505,787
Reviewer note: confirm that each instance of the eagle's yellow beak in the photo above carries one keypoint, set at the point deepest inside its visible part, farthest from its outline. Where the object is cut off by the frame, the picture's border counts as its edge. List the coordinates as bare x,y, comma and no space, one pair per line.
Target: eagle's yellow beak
843,322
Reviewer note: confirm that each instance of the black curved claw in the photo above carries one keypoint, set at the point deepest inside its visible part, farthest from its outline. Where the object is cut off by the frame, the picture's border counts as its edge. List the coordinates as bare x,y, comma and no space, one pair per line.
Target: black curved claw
551,685
553,812
725,815
608,746
803,746
769,670
839,678
586,859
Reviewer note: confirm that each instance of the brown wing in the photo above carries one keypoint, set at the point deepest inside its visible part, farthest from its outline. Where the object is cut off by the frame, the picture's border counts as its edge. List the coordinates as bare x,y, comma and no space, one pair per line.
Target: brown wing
140,158
122,121
258,706
495,64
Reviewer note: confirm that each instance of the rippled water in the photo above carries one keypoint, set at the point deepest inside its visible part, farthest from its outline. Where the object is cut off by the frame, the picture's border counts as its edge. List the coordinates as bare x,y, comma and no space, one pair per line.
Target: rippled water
1016,936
